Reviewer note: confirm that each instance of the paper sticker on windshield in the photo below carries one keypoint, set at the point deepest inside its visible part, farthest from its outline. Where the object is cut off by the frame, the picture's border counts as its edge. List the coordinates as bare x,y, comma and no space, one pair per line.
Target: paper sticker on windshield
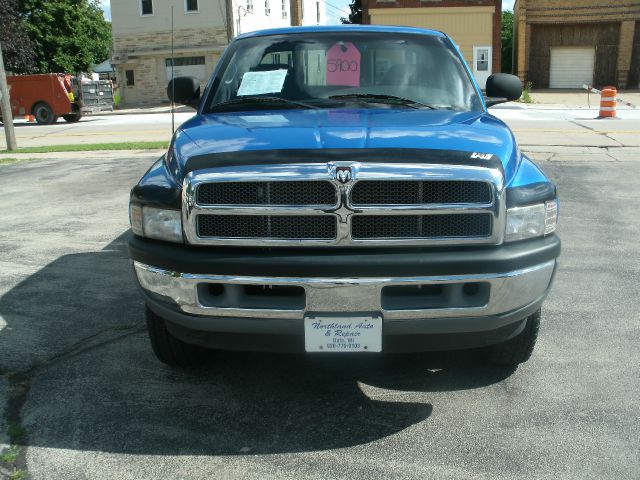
263,119
259,83
343,65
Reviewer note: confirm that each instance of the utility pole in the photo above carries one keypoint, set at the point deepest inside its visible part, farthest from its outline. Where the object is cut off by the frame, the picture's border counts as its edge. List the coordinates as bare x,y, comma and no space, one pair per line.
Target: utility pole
5,108
173,77
296,13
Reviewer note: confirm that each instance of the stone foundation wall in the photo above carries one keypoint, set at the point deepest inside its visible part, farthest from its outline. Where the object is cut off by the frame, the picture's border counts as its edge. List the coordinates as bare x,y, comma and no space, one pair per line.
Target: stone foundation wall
145,55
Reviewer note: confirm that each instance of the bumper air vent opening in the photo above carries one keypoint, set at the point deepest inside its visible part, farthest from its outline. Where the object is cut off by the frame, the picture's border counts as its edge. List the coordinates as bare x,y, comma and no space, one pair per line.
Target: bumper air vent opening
427,297
256,297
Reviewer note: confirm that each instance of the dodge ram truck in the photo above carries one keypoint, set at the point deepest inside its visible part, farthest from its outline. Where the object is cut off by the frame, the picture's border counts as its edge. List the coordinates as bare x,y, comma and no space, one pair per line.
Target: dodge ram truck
343,189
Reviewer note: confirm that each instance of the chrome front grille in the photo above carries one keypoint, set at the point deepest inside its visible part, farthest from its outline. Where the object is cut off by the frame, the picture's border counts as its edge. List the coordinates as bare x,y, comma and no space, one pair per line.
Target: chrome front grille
311,227
419,192
267,193
459,225
380,204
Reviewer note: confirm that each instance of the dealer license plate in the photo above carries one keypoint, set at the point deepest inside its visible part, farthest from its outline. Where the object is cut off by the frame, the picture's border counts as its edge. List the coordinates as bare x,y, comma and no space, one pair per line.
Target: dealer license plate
343,334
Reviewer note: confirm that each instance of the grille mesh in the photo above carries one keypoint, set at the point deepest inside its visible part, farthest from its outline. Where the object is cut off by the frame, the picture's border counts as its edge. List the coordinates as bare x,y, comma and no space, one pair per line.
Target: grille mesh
267,193
306,227
416,192
421,226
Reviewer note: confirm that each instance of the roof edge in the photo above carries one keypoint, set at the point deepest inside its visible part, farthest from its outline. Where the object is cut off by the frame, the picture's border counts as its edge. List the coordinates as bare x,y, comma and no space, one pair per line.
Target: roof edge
341,28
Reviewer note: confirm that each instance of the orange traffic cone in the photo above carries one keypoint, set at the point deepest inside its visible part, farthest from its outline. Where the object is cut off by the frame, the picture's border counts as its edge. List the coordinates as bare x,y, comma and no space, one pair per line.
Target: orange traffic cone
608,102
31,118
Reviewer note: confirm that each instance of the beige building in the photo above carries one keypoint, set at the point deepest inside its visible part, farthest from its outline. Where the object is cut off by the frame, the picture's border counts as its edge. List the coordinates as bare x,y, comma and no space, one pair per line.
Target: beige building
142,44
202,30
568,43
474,25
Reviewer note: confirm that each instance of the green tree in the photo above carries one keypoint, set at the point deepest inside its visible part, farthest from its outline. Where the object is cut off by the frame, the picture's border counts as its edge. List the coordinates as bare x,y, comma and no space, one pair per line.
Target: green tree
69,35
355,16
507,41
17,48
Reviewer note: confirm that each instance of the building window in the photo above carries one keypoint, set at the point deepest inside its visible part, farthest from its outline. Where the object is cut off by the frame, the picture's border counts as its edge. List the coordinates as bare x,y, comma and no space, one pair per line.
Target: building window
482,64
191,6
318,12
267,10
285,9
146,7
185,61
249,5
186,67
131,81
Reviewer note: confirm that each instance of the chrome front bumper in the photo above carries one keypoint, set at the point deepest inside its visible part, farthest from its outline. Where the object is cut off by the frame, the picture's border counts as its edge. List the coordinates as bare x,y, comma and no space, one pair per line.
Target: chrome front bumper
501,293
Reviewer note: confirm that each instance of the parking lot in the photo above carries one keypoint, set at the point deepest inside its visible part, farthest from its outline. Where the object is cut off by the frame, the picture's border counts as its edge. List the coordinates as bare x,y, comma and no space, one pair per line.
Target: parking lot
78,375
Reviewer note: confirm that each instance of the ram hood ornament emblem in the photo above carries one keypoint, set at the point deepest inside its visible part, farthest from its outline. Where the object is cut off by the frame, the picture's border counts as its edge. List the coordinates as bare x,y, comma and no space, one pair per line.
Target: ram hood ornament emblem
343,174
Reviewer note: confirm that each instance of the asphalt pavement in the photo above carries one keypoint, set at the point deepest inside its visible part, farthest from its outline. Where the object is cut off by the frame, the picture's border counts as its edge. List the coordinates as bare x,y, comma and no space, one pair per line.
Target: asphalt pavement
78,374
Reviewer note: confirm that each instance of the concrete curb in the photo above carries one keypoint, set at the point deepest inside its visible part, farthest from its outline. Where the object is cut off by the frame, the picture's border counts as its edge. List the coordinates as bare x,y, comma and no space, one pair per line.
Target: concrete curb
96,154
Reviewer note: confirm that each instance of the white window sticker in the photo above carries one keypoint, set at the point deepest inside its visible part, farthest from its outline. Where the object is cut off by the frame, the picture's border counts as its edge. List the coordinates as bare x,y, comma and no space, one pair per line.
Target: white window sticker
258,83
266,119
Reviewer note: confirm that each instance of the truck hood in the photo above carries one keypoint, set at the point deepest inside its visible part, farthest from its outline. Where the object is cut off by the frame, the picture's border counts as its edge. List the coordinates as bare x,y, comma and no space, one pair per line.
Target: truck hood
475,132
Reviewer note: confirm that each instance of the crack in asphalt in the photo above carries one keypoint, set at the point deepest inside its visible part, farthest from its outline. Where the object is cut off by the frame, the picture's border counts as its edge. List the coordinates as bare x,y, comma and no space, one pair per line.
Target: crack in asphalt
593,130
20,382
553,155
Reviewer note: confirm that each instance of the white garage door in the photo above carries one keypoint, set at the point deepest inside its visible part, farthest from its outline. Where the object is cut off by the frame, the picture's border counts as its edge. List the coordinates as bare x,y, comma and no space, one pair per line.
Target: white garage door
571,67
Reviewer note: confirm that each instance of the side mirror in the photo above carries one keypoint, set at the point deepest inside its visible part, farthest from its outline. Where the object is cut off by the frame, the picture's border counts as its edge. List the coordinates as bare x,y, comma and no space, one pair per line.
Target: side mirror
501,88
184,90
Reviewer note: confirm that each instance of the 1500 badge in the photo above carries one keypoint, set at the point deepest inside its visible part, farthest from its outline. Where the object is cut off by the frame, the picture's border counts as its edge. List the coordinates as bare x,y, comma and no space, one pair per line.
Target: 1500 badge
482,156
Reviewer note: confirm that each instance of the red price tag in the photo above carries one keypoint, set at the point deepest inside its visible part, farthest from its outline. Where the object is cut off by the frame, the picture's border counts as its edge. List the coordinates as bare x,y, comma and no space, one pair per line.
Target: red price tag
343,65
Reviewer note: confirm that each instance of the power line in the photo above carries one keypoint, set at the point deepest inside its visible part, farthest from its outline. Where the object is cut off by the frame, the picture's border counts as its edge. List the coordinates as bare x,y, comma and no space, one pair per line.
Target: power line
333,6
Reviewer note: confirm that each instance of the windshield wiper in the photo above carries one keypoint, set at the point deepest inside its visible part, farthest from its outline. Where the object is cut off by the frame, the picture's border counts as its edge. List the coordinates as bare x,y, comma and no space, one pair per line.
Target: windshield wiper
380,98
256,101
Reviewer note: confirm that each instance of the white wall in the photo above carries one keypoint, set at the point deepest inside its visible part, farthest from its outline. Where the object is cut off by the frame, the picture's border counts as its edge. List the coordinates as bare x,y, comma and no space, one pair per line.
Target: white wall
257,19
126,17
249,20
310,9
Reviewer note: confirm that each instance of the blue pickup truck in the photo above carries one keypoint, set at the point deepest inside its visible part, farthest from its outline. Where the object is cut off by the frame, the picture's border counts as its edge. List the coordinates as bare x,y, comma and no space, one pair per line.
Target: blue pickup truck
343,189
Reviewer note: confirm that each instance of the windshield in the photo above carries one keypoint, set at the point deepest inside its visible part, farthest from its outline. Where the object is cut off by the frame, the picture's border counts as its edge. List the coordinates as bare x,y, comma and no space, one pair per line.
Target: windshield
340,69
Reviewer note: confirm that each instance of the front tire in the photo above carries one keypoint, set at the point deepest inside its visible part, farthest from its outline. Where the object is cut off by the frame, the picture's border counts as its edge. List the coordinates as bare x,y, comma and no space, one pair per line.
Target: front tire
72,117
44,114
169,349
519,349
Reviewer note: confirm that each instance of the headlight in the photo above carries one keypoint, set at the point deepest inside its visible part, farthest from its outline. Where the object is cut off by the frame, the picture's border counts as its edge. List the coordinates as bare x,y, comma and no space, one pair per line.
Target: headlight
156,223
531,221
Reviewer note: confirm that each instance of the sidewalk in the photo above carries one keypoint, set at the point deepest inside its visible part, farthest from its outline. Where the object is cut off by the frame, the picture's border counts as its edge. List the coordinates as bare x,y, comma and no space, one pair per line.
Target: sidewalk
578,99
145,110
556,99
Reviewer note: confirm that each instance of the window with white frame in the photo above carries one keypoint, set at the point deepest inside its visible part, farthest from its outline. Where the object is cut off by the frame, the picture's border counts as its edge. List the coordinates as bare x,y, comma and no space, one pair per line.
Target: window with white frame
146,7
186,67
285,9
249,5
267,10
191,6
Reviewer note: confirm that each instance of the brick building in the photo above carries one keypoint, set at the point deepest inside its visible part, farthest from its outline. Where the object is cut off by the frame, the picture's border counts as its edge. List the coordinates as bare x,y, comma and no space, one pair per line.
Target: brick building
474,25
568,43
